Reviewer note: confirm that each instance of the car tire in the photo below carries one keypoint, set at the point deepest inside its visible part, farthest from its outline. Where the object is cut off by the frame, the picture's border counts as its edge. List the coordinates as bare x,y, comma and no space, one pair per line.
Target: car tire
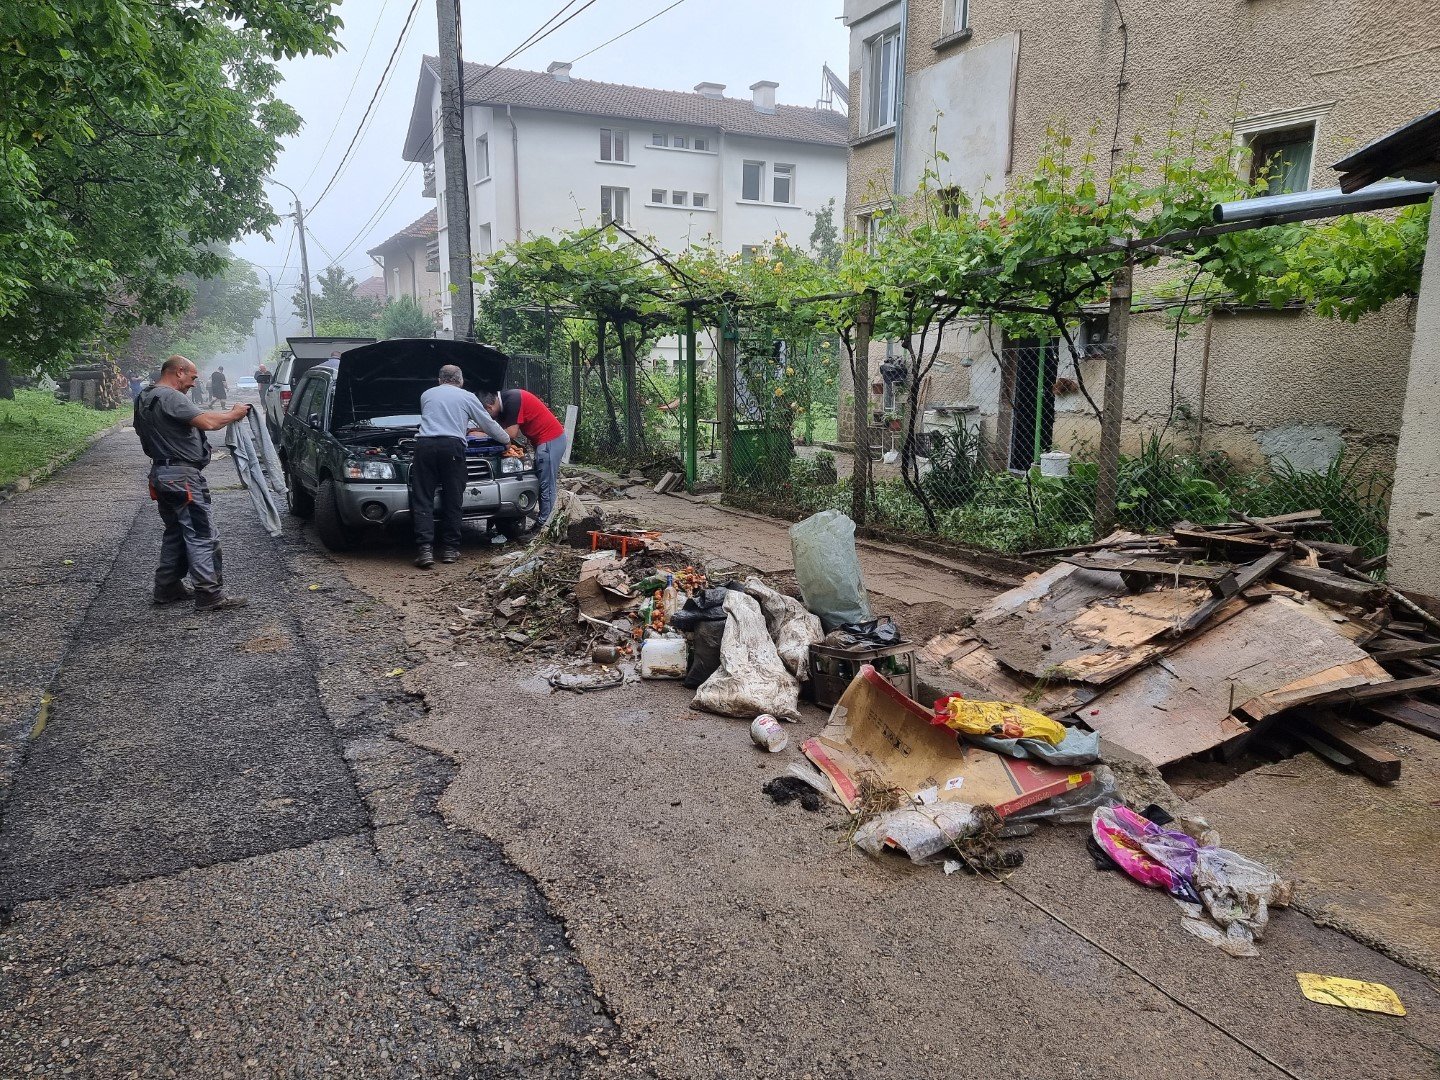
300,502
333,532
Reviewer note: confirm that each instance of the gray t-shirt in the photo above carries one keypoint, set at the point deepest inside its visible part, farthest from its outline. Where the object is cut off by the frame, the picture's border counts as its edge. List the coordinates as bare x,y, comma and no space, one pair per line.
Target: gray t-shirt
162,420
452,410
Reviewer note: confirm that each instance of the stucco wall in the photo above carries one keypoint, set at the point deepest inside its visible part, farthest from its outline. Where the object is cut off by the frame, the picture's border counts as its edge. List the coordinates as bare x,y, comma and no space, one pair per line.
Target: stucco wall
1415,502
1287,384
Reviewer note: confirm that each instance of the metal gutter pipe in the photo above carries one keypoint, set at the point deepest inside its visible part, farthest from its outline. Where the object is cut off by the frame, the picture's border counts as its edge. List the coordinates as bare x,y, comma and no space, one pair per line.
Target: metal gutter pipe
1329,202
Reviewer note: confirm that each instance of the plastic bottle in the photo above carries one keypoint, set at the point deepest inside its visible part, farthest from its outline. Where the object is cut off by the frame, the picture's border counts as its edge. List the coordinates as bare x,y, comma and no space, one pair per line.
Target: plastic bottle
663,657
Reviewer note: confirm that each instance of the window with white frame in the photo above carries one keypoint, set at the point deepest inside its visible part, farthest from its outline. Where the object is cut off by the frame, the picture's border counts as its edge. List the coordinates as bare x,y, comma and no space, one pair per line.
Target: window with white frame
657,195
752,179
700,199
782,183
614,144
659,140
701,143
680,142
485,239
957,16
482,158
747,253
614,205
882,79
1282,158
678,197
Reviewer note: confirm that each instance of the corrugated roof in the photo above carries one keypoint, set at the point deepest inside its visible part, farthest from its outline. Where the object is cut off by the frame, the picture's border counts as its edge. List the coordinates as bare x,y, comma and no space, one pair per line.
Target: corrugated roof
486,85
425,227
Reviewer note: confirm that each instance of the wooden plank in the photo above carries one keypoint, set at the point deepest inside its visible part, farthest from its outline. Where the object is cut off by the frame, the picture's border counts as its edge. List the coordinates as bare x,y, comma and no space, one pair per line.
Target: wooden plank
1199,536
1371,759
1181,704
1390,650
1355,695
1157,568
1406,714
1348,554
1328,585
1285,519
1243,577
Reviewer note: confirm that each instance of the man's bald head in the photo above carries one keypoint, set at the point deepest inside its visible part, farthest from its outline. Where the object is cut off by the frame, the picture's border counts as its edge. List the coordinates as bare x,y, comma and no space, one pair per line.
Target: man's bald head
175,364
452,375
178,371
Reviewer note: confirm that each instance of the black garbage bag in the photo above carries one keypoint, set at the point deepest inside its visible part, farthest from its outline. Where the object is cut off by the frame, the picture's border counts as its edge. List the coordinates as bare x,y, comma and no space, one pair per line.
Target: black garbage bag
875,634
707,606
705,657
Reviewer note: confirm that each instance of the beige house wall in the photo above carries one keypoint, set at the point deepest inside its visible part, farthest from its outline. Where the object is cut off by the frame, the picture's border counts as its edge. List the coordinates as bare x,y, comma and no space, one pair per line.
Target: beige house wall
405,275
1276,384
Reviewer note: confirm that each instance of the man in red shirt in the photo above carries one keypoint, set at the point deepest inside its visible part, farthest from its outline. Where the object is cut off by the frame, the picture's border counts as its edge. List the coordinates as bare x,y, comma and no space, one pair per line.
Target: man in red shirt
520,412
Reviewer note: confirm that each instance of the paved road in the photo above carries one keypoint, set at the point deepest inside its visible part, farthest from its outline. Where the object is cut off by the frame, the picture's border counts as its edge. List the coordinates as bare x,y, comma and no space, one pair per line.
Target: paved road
216,858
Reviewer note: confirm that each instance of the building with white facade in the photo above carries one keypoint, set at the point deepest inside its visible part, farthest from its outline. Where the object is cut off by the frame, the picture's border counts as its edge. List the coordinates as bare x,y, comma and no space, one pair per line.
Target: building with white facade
548,153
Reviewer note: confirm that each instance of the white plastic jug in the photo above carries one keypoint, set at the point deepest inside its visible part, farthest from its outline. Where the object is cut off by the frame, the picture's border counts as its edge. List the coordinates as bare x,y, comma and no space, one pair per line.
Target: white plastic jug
663,658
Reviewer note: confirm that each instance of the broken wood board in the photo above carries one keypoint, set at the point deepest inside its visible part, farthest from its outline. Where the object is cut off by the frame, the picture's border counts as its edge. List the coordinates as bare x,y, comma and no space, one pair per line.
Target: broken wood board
1328,585
1148,567
1182,704
1240,579
879,739
590,596
1416,715
981,676
1082,624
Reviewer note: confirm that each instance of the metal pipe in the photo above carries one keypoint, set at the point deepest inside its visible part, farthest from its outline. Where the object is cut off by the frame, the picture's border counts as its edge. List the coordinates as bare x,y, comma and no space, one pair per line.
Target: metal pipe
1327,202
514,165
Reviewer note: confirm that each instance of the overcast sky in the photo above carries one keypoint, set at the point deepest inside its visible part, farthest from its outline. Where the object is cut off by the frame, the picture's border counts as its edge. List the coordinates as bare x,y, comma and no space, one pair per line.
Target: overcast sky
735,42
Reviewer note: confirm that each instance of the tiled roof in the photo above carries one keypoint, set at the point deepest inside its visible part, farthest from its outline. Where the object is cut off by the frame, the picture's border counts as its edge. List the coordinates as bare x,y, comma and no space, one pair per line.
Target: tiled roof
425,227
372,289
485,85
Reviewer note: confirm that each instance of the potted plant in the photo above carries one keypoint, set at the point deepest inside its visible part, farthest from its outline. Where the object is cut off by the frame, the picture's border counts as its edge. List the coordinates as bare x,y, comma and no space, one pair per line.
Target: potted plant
892,421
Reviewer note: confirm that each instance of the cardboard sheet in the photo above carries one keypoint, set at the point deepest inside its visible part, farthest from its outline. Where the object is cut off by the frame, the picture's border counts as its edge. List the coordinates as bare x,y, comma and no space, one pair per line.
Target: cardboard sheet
877,735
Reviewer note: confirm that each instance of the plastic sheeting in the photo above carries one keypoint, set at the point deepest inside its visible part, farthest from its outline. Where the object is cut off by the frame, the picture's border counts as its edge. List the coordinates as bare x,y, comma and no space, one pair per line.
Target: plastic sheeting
920,831
828,569
751,678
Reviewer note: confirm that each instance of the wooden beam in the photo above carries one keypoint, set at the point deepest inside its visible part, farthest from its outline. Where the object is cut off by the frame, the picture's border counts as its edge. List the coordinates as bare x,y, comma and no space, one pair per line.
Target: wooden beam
1327,585
1150,567
1241,579
1406,714
1371,759
1285,519
1355,695
1391,649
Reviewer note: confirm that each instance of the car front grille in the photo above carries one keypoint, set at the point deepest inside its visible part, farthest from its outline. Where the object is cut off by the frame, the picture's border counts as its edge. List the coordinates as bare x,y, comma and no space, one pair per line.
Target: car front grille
478,468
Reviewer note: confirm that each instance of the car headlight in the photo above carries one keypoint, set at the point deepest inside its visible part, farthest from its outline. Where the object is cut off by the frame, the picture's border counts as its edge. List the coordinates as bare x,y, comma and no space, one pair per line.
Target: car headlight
370,470
511,466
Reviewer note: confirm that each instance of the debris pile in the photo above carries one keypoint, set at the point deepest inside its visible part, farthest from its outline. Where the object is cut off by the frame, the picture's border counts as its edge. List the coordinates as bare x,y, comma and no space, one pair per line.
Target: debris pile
1248,635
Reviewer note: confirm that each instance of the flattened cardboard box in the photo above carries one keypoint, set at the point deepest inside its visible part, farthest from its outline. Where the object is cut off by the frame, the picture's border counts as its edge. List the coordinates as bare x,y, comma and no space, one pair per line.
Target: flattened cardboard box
878,734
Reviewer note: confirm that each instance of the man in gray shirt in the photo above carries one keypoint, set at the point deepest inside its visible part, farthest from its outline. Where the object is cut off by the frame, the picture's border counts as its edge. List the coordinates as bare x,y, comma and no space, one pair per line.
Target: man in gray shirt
172,431
448,413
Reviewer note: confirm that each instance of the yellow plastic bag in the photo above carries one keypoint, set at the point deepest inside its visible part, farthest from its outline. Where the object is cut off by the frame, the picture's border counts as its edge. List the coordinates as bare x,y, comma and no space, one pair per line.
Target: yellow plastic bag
1350,993
1002,720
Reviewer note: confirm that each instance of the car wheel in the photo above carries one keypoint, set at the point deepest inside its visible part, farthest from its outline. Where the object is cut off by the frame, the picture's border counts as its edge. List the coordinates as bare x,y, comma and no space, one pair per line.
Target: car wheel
333,532
300,502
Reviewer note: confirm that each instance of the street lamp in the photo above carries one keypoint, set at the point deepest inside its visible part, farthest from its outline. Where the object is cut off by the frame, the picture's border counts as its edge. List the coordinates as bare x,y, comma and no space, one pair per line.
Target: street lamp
299,216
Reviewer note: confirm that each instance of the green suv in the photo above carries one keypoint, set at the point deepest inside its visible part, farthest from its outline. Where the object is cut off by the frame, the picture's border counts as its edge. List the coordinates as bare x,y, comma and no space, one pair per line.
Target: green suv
348,436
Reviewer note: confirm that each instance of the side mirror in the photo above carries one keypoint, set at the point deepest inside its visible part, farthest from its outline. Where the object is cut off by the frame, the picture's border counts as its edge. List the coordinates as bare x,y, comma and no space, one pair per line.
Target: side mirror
315,420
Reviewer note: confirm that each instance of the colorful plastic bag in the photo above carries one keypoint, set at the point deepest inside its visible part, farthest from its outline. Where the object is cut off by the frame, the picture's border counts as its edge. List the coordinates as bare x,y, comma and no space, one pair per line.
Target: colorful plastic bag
1002,720
1155,856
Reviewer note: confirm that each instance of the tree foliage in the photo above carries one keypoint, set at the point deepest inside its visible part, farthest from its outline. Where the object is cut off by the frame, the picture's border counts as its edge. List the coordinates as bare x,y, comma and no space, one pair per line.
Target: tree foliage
134,138
218,319
405,318
335,301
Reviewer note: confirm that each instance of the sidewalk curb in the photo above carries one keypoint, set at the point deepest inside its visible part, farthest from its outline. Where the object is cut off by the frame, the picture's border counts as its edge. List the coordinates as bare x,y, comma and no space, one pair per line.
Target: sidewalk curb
22,484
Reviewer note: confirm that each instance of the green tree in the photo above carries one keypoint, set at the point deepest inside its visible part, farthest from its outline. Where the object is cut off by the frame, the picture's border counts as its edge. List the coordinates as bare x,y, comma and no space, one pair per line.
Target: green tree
825,235
133,138
405,318
336,301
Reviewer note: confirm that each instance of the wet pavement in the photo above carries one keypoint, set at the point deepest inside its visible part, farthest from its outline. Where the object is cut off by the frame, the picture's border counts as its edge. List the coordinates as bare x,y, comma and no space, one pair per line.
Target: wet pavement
216,858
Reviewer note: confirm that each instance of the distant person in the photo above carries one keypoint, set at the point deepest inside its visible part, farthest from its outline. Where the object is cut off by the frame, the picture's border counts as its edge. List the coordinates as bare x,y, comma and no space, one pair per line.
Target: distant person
522,413
172,431
219,386
448,413
263,375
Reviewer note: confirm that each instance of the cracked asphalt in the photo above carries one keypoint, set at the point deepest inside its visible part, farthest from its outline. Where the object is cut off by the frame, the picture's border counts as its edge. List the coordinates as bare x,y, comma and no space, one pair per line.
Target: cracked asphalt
216,857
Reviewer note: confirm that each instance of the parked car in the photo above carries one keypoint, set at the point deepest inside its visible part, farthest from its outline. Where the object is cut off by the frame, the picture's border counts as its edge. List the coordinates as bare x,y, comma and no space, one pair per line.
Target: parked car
246,384
348,437
303,354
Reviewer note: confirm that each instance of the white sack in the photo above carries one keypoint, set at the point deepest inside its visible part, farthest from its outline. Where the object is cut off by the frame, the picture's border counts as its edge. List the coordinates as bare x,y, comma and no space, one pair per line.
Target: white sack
751,678
791,626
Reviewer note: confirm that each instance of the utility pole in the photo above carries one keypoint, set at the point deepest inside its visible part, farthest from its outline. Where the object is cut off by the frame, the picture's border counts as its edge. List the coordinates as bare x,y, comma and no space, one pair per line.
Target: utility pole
457,187
304,266
274,325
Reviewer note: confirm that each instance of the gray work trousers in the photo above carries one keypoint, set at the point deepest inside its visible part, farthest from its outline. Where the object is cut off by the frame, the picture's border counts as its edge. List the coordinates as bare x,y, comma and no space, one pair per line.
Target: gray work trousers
190,544
547,464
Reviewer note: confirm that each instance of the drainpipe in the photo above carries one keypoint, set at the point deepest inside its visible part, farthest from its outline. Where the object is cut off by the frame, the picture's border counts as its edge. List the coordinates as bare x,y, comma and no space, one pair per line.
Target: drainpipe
515,167
900,99
414,277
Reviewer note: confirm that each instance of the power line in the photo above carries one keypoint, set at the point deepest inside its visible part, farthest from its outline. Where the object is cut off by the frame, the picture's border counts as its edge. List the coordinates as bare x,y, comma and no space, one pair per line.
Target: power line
389,199
369,109
359,70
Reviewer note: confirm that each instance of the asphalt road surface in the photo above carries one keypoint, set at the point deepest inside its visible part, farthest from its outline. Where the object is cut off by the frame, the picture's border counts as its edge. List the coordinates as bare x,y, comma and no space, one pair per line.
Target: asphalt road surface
320,836
216,859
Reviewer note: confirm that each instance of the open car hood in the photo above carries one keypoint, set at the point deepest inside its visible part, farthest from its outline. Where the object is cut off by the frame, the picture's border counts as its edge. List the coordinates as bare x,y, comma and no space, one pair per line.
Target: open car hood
388,377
